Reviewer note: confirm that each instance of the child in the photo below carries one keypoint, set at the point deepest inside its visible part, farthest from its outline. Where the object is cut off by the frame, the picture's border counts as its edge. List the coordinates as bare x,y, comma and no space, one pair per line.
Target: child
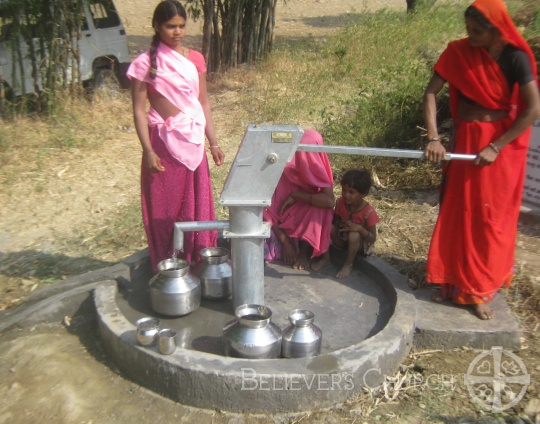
355,220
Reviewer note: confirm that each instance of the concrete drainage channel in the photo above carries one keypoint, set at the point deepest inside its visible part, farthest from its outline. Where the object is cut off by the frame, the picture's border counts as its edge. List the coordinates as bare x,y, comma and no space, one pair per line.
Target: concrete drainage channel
377,298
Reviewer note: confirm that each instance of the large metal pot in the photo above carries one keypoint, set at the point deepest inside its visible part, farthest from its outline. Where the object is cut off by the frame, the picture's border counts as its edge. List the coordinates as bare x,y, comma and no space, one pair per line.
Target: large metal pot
215,273
174,291
251,334
301,338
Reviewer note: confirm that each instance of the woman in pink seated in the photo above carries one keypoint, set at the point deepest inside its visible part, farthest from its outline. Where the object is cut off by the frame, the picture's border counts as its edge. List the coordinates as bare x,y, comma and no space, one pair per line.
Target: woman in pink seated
302,206
175,179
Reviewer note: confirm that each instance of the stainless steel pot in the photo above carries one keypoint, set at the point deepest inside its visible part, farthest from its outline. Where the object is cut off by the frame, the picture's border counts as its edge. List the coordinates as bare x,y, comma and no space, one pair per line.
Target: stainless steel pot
251,334
174,291
301,338
215,273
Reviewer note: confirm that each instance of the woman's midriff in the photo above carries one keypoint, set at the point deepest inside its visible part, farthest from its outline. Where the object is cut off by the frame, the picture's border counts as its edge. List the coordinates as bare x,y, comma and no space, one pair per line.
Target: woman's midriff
475,112
161,105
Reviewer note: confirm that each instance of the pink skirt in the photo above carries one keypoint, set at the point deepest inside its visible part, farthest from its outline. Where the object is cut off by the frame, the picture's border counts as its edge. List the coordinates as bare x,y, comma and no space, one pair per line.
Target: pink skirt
176,195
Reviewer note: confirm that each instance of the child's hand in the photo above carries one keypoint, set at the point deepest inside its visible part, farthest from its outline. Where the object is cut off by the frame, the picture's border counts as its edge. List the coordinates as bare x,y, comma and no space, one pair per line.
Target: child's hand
350,226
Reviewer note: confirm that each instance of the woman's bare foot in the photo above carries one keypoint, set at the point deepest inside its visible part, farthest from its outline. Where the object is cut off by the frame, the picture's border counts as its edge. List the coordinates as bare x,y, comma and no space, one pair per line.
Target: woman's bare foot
325,261
483,311
345,271
302,262
437,297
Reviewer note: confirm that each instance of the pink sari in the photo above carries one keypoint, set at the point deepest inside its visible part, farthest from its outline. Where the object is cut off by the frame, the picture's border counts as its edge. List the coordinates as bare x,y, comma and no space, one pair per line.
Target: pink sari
309,173
183,192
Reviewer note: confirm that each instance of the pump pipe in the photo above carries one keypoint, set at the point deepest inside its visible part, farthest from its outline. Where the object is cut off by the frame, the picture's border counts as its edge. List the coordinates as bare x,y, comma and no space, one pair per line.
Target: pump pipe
181,227
372,151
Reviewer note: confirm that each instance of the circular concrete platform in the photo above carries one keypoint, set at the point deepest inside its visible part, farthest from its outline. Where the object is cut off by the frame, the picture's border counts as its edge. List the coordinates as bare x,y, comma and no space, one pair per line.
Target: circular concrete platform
368,323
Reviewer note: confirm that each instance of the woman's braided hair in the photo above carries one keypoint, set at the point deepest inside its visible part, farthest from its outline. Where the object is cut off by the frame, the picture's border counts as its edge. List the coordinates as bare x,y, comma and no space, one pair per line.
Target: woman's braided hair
165,11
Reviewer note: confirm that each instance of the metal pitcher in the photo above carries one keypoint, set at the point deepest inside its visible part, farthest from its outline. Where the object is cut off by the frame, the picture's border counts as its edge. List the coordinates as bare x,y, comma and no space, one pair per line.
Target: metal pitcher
174,291
301,338
251,334
214,270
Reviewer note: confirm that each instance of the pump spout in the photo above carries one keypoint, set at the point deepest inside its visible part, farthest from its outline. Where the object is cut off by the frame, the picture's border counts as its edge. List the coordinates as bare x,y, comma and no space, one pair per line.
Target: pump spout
181,227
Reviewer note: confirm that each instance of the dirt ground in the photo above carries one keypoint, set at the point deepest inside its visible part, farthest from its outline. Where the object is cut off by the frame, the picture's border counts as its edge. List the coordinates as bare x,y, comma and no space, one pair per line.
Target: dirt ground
71,381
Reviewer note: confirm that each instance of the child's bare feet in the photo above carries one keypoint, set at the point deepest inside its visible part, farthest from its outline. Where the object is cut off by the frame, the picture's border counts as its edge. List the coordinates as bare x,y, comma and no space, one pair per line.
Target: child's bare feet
483,311
325,261
345,271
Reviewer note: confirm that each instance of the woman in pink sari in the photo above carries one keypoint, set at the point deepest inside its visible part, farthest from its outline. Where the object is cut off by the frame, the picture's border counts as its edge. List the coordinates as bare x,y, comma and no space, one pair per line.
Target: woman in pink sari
302,207
175,178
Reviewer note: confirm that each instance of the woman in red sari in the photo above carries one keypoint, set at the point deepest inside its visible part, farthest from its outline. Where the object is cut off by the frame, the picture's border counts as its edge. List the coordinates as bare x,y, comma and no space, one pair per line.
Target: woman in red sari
175,178
494,101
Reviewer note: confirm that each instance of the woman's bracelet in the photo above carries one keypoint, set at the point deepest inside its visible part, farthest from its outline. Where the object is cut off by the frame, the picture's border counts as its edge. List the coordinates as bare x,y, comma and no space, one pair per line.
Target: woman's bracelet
497,150
213,147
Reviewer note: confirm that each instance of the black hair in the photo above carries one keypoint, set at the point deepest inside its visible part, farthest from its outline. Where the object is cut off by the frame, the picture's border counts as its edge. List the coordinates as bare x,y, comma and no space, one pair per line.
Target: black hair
473,13
164,11
359,179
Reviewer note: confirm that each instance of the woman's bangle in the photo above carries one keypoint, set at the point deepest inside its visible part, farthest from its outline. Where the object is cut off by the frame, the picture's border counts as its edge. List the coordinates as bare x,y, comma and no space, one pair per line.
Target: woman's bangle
497,150
213,147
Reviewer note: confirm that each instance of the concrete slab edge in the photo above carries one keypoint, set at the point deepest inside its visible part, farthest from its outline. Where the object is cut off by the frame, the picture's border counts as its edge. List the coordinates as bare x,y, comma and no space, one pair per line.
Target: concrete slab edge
72,303
446,340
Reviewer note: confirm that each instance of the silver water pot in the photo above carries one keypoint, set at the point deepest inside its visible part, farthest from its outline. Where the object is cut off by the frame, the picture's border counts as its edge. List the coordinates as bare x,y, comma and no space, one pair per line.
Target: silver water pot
301,338
174,291
215,272
251,334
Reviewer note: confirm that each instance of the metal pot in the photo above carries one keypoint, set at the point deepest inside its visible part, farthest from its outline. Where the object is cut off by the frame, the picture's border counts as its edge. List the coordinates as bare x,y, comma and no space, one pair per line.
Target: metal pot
251,334
301,338
174,291
215,273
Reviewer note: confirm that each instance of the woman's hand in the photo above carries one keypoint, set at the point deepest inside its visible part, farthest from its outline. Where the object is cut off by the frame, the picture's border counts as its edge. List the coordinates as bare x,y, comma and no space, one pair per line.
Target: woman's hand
289,201
217,155
486,156
435,151
153,162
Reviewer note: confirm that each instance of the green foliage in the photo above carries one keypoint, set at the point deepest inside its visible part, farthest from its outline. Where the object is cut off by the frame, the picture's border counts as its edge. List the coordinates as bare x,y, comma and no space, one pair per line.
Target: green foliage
388,57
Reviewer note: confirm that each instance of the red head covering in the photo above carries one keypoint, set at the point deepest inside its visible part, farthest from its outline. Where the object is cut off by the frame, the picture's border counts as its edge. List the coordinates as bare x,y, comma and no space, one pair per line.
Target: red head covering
496,13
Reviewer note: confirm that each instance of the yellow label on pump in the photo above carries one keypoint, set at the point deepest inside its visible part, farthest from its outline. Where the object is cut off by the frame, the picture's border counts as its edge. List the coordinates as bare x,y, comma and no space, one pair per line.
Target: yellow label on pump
281,137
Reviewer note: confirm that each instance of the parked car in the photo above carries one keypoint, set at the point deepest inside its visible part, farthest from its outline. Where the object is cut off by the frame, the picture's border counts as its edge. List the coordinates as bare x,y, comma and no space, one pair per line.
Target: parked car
103,51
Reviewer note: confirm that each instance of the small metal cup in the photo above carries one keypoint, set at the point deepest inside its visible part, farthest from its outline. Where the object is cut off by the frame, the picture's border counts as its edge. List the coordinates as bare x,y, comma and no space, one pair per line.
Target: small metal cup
147,330
167,341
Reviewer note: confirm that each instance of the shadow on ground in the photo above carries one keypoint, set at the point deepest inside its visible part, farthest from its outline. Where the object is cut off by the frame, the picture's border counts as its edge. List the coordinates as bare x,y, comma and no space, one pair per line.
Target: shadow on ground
46,266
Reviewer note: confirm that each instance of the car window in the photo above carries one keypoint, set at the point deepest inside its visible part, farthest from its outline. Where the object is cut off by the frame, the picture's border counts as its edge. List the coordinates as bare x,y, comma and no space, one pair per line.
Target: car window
104,14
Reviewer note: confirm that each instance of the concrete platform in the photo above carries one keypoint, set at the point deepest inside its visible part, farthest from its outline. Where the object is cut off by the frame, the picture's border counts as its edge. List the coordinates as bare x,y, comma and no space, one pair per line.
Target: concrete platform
447,326
368,323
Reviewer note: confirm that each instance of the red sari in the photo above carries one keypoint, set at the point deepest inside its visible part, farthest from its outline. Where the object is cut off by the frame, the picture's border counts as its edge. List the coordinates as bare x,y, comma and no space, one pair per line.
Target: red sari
472,249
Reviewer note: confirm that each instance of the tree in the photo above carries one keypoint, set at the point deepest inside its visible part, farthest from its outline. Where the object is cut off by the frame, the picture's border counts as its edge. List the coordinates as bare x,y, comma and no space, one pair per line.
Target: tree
234,31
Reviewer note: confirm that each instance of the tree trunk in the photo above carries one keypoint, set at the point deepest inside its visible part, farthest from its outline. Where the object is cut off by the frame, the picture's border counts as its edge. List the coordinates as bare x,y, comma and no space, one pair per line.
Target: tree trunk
237,31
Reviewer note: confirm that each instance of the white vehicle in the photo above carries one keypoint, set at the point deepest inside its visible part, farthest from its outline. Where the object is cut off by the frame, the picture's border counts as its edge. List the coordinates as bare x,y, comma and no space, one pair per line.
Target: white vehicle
103,49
